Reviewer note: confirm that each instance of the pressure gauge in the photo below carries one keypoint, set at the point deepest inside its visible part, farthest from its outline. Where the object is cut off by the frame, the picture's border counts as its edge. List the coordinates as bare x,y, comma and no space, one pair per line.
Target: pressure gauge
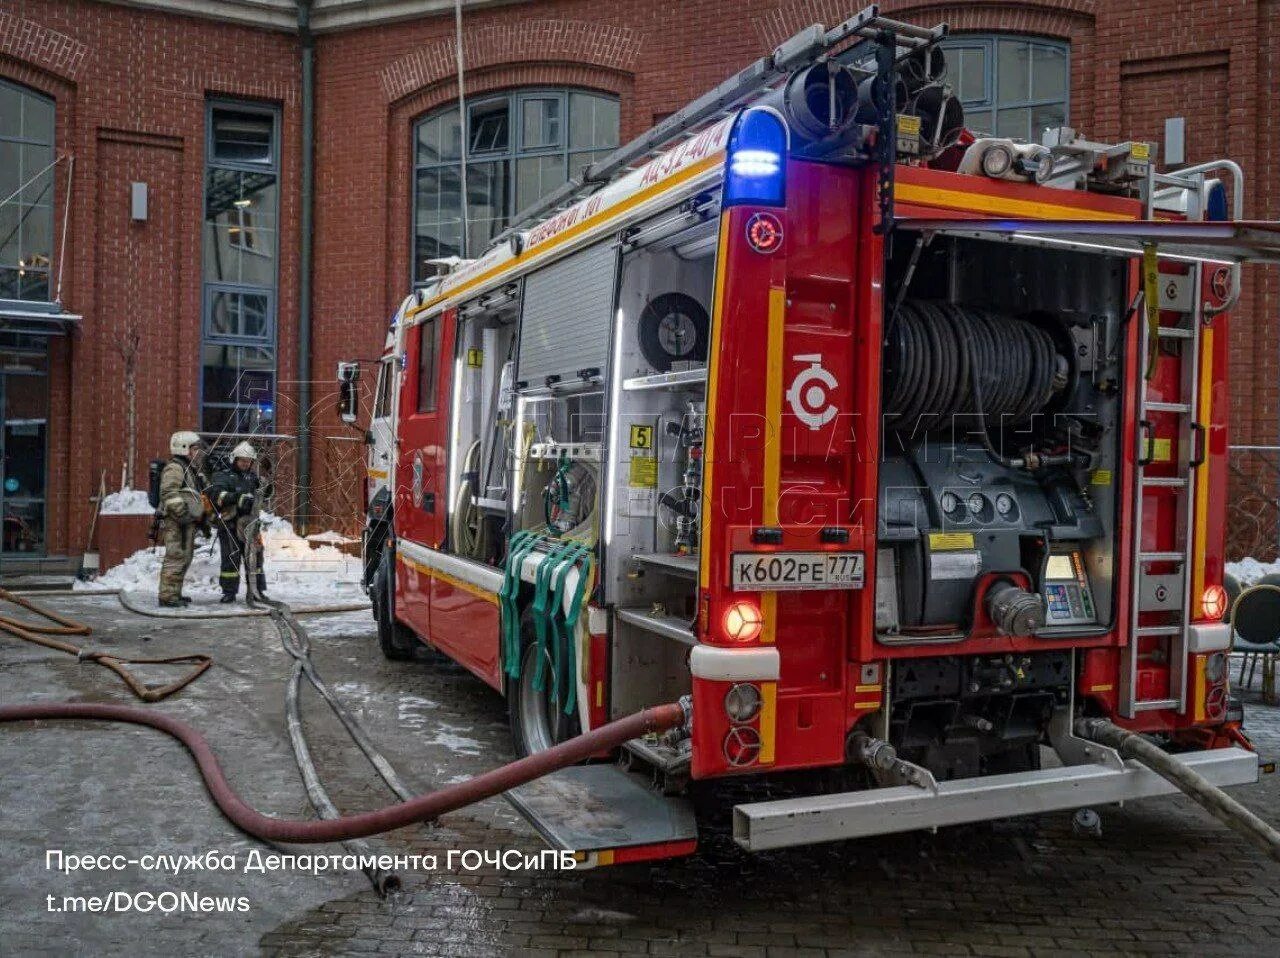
1004,503
977,502
950,502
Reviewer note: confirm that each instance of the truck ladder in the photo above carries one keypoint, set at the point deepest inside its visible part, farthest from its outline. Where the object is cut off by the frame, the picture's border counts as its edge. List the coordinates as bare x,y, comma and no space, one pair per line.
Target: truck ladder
806,47
1166,594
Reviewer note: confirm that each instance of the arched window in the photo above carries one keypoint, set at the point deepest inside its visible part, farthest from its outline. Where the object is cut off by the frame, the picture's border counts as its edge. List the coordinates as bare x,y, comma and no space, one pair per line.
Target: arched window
1010,85
26,192
520,146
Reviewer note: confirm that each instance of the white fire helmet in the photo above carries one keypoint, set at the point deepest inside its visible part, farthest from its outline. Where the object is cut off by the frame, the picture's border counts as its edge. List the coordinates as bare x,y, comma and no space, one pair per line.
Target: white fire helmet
181,443
244,451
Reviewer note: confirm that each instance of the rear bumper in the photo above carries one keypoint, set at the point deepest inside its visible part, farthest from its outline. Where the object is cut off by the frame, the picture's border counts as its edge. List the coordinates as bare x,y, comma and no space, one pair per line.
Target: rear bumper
880,811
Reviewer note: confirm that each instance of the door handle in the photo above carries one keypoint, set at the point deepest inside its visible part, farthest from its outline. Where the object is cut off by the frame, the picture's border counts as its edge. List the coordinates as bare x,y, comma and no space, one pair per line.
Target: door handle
429,502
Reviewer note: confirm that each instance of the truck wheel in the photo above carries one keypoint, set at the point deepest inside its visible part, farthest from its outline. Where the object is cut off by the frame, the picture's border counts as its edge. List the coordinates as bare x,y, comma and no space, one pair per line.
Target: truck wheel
396,640
537,719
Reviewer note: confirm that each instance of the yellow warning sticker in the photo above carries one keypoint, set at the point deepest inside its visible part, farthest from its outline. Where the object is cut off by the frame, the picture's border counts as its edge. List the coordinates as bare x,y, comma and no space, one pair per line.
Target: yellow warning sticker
1140,151
940,541
641,437
475,358
908,125
1161,450
644,472
1101,477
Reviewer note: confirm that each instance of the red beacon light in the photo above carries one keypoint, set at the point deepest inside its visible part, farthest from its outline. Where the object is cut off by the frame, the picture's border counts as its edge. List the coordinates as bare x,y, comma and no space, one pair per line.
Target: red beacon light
743,621
1214,602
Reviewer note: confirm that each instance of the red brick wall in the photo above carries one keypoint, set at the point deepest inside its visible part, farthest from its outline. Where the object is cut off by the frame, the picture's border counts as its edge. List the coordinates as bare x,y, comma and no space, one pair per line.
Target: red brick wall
131,87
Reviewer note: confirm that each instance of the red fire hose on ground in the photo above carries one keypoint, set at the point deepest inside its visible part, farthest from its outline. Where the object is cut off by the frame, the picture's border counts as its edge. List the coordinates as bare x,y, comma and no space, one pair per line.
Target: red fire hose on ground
421,809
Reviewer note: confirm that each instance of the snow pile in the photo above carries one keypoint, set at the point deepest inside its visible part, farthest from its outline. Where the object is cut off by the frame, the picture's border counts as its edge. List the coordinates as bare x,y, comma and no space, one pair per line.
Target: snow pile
1249,571
126,502
332,538
295,569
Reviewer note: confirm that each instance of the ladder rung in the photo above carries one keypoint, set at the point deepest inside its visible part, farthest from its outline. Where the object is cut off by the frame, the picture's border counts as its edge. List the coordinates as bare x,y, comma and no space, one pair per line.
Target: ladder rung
1159,629
1161,557
1175,332
1152,705
1170,482
1178,407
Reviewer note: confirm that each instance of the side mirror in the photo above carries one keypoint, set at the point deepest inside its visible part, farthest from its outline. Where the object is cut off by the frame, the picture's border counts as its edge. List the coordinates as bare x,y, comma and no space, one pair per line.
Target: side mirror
348,396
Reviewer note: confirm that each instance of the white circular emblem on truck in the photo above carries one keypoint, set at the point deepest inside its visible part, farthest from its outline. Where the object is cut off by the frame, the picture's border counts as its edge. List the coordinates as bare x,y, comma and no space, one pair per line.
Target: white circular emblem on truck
808,393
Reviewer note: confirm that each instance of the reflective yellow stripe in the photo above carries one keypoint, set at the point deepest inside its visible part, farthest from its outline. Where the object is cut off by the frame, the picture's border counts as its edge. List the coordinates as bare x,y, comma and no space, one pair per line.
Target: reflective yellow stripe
1003,205
709,423
457,583
773,442
376,473
1203,486
768,722
867,705
591,222
868,688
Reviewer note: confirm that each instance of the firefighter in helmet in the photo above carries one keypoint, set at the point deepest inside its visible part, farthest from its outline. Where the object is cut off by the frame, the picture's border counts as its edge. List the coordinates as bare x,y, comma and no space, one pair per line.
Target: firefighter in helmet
181,511
234,494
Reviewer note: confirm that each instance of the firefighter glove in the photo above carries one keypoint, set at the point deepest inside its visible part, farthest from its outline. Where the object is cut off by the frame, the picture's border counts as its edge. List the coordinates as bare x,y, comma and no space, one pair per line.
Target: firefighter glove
244,505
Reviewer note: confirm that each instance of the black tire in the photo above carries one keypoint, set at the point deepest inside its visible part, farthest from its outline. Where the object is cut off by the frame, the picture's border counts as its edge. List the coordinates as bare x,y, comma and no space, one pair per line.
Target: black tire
689,316
537,723
397,641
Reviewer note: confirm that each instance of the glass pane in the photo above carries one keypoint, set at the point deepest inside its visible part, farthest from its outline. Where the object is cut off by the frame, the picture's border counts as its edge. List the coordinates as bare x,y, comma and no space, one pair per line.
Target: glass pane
8,282
238,374
439,138
33,285
1045,118
1013,70
979,121
1014,123
10,167
10,110
238,314
970,64
232,196
36,224
36,175
489,126
239,136
26,418
593,121
540,123
536,177
487,203
580,161
428,346
10,234
37,119
1048,73
15,358
23,527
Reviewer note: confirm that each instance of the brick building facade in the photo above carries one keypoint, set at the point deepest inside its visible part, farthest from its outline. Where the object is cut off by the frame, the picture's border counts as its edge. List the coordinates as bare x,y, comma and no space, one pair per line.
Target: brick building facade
132,87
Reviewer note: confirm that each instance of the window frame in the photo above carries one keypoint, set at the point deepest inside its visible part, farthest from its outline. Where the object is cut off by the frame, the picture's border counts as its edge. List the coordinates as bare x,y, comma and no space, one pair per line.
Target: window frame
511,155
989,43
208,288
38,95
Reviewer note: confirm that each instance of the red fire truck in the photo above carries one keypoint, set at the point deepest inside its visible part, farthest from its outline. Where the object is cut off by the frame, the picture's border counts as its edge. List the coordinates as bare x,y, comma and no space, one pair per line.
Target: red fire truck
891,449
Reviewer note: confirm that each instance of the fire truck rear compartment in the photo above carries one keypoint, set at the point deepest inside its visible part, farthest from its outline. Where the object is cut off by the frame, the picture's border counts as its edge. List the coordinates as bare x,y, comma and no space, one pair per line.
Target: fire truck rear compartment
1002,374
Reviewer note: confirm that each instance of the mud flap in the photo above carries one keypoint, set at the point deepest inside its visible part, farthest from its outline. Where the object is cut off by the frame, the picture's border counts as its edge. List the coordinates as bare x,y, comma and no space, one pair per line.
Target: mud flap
606,816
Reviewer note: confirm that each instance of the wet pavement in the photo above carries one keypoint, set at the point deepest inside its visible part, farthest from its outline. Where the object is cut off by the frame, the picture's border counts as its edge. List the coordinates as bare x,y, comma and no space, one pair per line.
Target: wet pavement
1164,878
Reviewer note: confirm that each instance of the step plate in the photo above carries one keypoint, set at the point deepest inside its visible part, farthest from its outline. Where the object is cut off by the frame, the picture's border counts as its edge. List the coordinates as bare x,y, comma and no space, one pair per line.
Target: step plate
601,808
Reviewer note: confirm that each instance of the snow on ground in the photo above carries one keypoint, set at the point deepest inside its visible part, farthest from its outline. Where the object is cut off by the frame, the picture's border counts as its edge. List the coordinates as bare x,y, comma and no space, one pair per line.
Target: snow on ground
126,502
331,537
1249,571
295,568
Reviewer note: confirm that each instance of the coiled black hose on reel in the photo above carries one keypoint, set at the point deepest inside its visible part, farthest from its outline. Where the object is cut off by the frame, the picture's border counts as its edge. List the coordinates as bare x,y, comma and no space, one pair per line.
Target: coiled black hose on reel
944,361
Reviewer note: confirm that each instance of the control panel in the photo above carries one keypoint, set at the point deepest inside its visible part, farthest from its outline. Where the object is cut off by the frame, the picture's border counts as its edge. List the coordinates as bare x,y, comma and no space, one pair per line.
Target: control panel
1067,595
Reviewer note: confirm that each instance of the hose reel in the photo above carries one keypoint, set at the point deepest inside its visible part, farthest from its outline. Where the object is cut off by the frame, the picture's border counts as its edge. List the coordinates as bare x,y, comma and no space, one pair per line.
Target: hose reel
944,361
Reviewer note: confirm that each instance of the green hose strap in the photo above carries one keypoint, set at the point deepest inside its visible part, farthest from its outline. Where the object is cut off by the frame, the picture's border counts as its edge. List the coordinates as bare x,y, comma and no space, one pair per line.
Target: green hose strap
518,546
541,597
565,622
